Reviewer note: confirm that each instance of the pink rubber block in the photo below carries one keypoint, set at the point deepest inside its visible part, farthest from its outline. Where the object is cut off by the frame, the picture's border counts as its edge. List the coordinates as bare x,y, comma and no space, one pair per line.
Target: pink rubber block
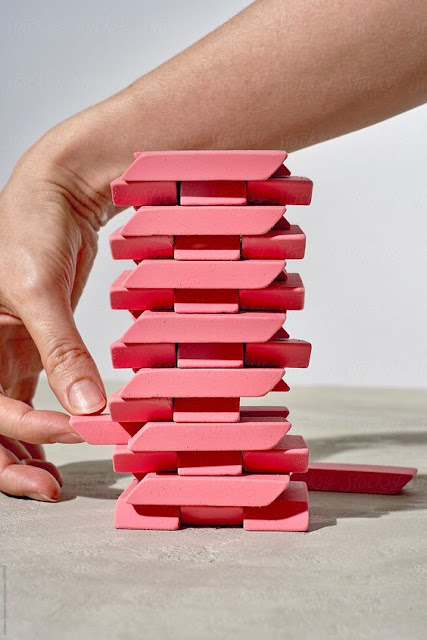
139,299
206,410
125,461
128,516
214,192
208,491
281,172
140,248
102,429
206,301
289,512
250,433
290,455
204,165
196,383
357,478
260,412
167,327
212,516
284,295
210,463
281,386
135,194
207,356
278,353
203,274
140,410
207,248
138,356
201,221
287,190
287,244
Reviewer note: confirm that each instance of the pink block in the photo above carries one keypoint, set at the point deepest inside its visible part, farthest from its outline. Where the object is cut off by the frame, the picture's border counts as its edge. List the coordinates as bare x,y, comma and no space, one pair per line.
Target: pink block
139,410
356,478
278,353
200,221
281,386
290,455
207,248
206,410
210,463
125,461
167,327
139,299
140,248
206,301
281,172
203,274
208,491
212,516
102,430
215,192
134,194
250,433
215,355
287,244
129,516
284,295
287,190
289,512
262,412
196,383
204,165
137,356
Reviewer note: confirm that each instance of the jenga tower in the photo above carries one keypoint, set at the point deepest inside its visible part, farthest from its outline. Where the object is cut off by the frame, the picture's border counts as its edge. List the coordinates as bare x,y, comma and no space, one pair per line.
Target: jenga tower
209,295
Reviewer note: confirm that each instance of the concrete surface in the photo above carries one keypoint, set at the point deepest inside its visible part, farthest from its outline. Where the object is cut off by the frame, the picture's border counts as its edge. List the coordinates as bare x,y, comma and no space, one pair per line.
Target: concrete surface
359,573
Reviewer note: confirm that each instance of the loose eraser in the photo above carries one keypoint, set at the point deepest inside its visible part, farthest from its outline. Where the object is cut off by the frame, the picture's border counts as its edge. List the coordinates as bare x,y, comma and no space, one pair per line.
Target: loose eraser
129,516
210,463
126,461
289,512
208,491
287,295
139,410
204,165
139,299
286,190
134,194
194,383
206,301
212,516
167,327
287,244
103,430
278,353
214,355
264,411
213,192
140,248
289,455
138,356
207,248
206,410
281,386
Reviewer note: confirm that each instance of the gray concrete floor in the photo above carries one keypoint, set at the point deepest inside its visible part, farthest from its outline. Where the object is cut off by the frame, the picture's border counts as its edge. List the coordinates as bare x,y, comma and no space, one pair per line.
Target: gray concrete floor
360,572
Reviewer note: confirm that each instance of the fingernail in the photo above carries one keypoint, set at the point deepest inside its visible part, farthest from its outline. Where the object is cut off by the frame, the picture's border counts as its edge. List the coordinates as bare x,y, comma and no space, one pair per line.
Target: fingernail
40,496
85,397
68,438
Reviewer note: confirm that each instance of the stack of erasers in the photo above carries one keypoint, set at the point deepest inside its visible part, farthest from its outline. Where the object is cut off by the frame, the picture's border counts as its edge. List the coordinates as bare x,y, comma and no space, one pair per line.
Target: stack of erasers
209,295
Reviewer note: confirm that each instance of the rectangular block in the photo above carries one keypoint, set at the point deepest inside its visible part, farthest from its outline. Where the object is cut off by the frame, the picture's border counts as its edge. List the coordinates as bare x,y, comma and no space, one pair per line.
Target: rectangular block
137,356
139,248
206,410
290,455
103,430
214,192
210,463
138,299
207,248
206,301
139,410
278,353
287,244
215,355
212,516
286,190
129,516
287,295
289,512
126,461
260,412
136,194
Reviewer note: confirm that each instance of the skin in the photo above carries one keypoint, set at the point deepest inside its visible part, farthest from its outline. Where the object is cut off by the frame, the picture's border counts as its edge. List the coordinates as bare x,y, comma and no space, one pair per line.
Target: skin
278,75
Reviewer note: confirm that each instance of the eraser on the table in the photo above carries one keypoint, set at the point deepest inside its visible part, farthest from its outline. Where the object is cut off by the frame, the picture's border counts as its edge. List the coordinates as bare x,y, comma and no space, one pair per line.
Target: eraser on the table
206,410
134,194
290,455
260,412
188,221
250,490
204,165
281,172
204,274
137,356
206,301
103,430
278,353
357,478
250,433
207,356
139,410
288,244
139,248
207,248
139,299
168,326
281,386
213,192
278,296
128,516
212,516
286,190
126,461
210,463
195,383
289,512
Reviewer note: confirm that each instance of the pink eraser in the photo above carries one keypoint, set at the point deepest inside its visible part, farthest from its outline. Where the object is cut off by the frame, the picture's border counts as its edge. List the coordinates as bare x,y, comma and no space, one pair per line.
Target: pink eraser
126,461
213,192
206,410
139,299
210,463
278,353
208,491
204,165
286,190
285,295
139,410
140,248
134,194
206,301
287,244
214,355
261,412
102,429
207,248
290,455
129,516
281,386
212,516
289,512
138,356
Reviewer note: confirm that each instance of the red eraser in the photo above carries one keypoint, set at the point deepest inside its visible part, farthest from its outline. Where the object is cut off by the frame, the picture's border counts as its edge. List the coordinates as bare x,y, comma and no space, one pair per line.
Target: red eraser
286,190
136,194
139,248
214,355
126,461
289,512
137,356
139,410
280,295
206,301
129,516
278,353
206,410
139,299
212,516
213,192
290,455
207,248
287,244
210,463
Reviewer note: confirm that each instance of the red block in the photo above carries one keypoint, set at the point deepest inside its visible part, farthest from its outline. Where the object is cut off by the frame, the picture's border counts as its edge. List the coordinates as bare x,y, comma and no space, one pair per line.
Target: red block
210,463
206,410
102,430
139,299
207,248
206,301
278,353
261,412
139,410
280,172
287,244
125,461
290,455
215,355
129,516
213,192
137,356
212,516
281,386
286,190
284,295
139,248
289,512
135,194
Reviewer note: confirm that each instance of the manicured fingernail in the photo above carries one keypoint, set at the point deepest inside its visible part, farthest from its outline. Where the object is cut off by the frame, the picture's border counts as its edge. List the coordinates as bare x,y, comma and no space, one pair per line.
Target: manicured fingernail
85,396
40,496
68,438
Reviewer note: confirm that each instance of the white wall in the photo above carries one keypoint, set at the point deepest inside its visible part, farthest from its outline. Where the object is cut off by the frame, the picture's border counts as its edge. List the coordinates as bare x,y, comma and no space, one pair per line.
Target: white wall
366,265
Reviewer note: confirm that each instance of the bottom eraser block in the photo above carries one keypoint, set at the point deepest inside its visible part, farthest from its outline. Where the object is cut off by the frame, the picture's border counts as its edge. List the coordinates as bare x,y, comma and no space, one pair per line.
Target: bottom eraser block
206,409
212,516
129,516
210,463
289,512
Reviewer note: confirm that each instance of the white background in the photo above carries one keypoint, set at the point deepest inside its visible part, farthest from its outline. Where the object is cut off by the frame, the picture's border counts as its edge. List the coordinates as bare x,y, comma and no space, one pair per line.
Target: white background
366,265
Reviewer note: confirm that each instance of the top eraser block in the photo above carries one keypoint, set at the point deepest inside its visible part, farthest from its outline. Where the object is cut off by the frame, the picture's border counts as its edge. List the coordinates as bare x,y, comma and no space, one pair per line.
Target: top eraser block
204,165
